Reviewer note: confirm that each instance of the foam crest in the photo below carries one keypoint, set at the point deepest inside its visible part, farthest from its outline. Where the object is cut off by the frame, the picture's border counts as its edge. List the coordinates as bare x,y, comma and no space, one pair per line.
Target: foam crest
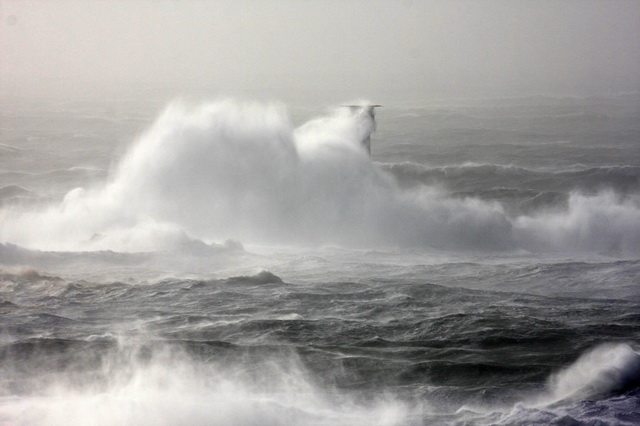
601,375
601,223
603,370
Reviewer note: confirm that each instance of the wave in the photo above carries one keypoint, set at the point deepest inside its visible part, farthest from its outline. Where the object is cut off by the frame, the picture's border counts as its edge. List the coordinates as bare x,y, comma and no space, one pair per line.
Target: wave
57,174
16,194
116,380
472,177
163,384
600,387
227,170
9,149
604,223
602,371
262,277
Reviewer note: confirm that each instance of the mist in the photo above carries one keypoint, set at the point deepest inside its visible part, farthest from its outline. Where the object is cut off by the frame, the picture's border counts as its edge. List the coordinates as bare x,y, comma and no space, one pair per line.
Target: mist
326,50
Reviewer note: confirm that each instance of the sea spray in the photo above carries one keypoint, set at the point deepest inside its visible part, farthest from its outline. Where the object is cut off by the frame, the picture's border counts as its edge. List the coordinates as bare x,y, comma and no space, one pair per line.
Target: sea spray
602,223
228,170
601,371
164,384
389,330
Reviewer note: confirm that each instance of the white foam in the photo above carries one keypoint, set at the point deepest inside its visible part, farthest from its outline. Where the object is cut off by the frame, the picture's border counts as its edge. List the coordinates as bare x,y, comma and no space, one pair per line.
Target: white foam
226,170
599,223
172,389
601,371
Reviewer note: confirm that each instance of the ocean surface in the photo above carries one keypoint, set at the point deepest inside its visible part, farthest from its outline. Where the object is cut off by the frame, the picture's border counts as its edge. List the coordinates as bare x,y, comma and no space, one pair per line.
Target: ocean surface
222,262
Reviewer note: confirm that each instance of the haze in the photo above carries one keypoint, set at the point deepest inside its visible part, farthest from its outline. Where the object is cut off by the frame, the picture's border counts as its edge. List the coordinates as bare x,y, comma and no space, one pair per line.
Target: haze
323,49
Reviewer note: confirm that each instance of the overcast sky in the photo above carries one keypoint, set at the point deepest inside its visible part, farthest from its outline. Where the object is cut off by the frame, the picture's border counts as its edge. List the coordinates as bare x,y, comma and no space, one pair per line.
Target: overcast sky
371,48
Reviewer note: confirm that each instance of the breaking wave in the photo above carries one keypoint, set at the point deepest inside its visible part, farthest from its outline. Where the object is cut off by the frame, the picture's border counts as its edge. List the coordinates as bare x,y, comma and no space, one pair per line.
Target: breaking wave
227,170
108,380
166,385
596,389
602,371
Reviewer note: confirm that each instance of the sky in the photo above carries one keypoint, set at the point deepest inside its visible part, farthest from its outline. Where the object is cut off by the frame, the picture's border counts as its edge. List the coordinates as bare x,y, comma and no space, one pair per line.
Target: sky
372,48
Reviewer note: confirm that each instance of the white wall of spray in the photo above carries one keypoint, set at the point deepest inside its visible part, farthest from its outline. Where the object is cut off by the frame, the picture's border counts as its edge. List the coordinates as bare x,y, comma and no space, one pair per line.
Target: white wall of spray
160,384
602,223
240,170
164,384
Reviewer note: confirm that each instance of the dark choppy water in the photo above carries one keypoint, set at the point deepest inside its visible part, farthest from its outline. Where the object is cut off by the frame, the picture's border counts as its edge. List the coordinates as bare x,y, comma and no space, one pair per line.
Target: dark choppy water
233,268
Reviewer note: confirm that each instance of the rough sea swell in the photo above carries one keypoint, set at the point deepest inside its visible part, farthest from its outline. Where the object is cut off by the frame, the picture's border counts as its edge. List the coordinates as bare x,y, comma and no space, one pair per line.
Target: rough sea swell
405,293
256,350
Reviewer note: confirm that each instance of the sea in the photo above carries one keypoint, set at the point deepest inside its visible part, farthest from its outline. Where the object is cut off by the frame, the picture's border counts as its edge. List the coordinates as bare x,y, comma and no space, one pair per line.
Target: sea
217,261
